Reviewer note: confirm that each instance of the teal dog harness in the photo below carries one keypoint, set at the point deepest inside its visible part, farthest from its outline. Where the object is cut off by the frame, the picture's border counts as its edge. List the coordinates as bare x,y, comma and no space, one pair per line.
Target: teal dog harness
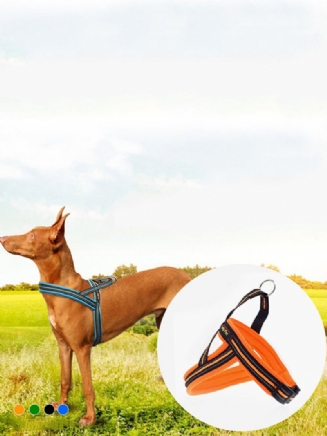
82,297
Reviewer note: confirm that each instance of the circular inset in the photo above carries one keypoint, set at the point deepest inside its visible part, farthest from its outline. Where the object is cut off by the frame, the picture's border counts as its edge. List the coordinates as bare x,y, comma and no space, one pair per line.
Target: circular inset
63,409
34,409
19,409
201,308
49,409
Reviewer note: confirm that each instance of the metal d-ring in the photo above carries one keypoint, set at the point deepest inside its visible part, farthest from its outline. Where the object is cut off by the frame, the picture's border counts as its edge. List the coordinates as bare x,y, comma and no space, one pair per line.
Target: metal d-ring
269,280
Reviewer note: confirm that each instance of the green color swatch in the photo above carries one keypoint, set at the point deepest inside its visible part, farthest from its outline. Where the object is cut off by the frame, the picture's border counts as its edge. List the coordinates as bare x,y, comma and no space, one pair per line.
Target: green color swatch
34,409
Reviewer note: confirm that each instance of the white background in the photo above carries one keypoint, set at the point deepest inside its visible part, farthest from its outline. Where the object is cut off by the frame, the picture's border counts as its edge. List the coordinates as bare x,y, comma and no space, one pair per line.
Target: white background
293,328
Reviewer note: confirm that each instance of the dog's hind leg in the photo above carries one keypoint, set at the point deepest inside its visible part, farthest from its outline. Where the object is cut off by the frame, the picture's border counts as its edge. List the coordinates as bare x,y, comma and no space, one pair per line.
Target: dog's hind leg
159,315
84,362
65,355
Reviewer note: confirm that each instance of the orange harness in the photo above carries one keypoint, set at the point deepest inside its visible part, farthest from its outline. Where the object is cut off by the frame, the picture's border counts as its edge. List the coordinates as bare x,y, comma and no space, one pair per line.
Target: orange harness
256,358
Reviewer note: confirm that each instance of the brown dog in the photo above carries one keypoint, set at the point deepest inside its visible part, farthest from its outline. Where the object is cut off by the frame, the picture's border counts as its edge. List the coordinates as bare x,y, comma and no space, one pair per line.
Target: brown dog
122,304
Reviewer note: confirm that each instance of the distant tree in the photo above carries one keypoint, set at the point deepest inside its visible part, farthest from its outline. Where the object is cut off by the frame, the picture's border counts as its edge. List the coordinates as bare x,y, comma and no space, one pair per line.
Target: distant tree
145,326
124,271
98,276
306,284
8,287
196,270
299,280
27,287
273,267
23,286
34,287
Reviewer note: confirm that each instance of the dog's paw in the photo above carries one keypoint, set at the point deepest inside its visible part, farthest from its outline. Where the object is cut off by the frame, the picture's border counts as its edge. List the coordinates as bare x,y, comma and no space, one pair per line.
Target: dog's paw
56,404
86,421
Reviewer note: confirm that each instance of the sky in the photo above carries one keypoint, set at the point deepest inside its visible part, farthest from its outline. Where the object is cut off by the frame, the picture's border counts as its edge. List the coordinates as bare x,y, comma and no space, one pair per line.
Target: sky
174,132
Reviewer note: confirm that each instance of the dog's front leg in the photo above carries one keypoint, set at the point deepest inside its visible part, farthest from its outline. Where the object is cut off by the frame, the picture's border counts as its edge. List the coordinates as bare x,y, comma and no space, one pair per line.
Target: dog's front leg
65,355
84,361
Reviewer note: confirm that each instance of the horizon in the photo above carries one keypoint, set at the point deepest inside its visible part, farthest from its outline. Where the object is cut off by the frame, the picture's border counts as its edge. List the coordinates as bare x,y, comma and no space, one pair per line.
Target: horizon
310,280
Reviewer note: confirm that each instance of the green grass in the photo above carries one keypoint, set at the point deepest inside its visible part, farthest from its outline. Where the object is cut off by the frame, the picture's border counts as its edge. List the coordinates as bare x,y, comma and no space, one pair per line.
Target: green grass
319,298
129,399
22,309
15,338
27,308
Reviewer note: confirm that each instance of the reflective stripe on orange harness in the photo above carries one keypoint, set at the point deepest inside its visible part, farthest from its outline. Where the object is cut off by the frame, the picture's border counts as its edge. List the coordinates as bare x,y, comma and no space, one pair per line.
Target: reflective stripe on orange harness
243,356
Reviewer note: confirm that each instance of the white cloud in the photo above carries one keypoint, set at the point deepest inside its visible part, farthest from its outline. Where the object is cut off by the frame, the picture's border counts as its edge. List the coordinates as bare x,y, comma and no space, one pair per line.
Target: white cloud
120,164
38,208
47,144
92,120
11,62
48,212
120,151
164,183
11,172
133,88
127,147
40,7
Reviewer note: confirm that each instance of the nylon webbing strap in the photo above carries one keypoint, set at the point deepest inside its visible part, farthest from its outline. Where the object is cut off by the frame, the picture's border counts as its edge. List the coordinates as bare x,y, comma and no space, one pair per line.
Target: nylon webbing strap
243,356
82,297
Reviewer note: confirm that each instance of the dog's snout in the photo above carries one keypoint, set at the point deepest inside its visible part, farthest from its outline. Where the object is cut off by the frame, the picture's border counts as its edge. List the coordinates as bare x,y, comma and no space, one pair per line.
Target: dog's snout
2,239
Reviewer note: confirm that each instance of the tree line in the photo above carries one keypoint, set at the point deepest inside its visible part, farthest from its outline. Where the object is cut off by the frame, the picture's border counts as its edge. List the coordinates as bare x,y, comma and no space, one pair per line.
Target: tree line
195,271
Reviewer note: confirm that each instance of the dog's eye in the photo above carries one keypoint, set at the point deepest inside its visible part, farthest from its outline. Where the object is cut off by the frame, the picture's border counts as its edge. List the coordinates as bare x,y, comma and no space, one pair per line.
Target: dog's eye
31,236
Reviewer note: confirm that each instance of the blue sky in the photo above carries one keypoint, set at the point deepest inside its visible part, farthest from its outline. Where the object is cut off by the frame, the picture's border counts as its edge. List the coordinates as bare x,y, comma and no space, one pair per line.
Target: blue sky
175,132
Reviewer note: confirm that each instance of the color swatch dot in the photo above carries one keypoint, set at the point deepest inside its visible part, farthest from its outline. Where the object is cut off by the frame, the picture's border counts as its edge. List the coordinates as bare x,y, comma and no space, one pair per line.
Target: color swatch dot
63,409
19,409
34,409
49,409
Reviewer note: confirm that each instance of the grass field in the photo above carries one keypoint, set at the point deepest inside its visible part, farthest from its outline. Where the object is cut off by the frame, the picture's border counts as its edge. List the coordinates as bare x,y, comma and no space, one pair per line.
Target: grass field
30,310
130,400
319,297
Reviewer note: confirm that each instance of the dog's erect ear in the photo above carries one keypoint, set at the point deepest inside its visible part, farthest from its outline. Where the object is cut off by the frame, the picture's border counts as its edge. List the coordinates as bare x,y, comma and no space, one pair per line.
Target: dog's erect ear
59,215
57,232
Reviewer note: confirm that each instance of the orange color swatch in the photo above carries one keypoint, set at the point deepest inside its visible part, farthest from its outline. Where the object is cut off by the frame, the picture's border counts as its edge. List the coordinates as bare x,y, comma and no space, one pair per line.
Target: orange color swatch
19,409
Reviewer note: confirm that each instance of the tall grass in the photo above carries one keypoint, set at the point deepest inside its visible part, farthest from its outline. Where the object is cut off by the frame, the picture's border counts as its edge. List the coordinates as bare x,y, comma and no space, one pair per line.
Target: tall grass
129,398
319,298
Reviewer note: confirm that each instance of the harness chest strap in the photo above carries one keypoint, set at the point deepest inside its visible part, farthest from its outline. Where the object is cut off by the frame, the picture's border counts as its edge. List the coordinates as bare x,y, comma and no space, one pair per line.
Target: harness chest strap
243,356
96,285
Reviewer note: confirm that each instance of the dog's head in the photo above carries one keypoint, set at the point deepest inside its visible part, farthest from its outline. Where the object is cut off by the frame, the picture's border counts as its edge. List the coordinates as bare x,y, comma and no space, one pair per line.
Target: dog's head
40,242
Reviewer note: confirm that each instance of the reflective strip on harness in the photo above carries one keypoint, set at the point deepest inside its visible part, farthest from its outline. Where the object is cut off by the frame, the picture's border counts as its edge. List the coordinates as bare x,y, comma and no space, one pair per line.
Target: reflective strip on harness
243,356
83,298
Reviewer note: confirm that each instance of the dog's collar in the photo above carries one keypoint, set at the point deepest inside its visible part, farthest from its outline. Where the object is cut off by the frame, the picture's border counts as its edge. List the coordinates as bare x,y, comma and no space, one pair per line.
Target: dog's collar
257,359
82,297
